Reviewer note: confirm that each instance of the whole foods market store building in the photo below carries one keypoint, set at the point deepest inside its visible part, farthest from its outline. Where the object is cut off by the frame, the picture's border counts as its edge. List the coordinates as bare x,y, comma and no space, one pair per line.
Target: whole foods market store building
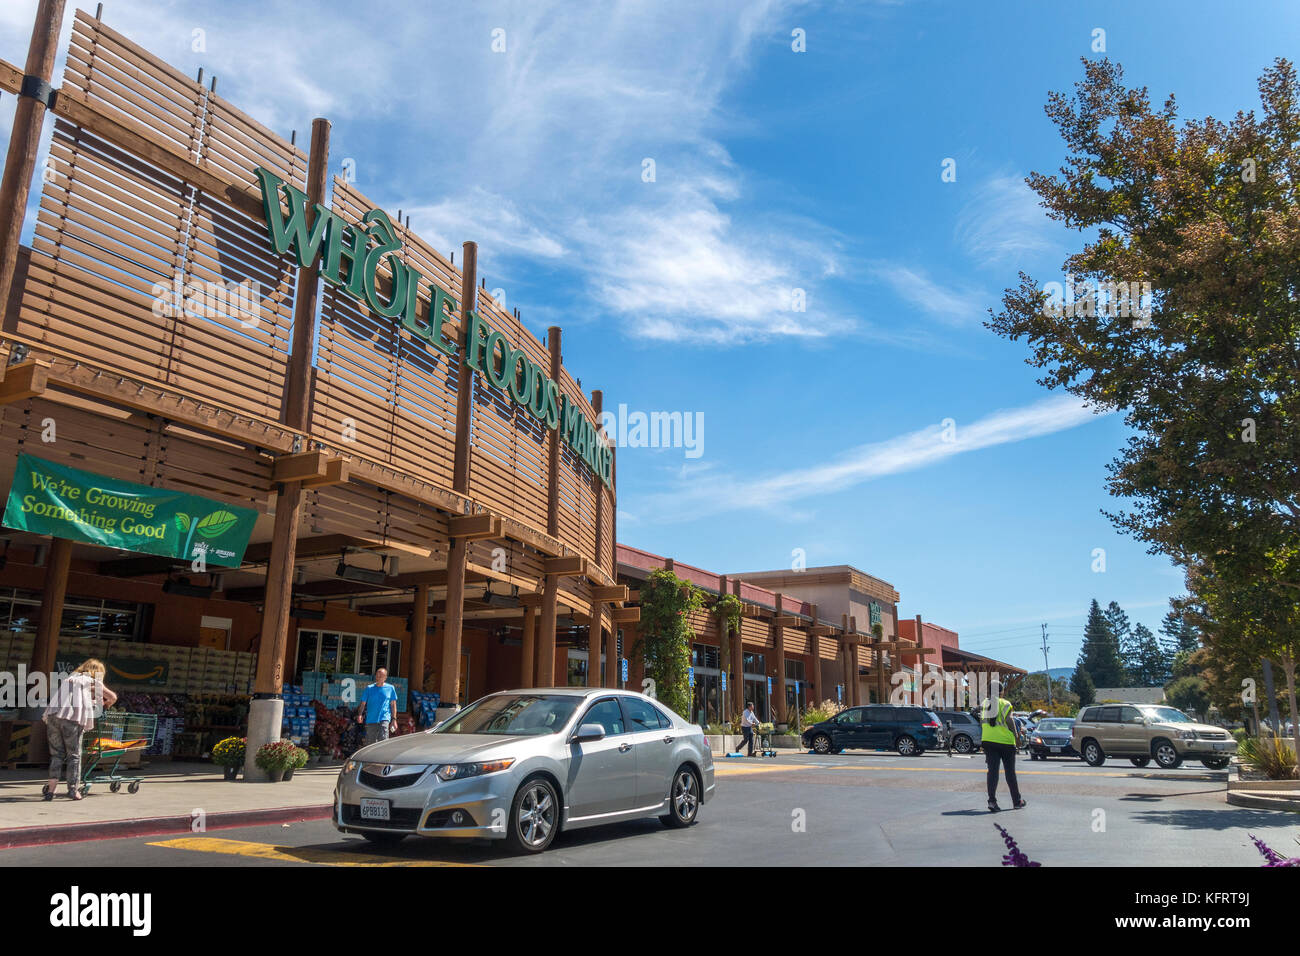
361,461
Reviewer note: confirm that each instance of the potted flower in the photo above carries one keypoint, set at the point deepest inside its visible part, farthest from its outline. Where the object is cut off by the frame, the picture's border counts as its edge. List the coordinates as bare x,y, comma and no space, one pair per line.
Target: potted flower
229,754
274,758
297,760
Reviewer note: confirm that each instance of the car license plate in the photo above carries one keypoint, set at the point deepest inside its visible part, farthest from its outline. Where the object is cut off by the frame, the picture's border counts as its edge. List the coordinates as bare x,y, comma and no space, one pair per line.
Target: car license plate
372,809
1226,745
1056,750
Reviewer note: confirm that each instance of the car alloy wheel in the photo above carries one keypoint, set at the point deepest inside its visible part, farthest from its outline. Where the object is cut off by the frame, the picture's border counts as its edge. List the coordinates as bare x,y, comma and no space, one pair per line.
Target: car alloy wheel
1093,754
536,811
963,744
822,744
906,746
684,801
1167,755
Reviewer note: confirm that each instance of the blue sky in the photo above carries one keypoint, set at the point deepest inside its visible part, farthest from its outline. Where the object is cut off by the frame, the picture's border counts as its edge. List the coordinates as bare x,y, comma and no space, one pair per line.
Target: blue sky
775,170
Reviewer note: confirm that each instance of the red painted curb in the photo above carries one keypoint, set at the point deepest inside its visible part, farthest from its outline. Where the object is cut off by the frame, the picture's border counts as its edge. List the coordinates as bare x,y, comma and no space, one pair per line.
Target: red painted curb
148,826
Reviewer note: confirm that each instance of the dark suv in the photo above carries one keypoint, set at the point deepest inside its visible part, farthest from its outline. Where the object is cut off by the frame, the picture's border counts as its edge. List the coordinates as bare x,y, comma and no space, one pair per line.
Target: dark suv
909,730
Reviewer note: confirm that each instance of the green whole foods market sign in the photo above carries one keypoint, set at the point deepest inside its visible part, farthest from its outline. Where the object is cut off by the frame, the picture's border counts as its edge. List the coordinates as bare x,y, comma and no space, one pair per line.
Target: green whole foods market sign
69,503
350,259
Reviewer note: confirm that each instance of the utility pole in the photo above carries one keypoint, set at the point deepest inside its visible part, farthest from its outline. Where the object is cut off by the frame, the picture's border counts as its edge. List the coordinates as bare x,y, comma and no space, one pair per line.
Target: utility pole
1046,671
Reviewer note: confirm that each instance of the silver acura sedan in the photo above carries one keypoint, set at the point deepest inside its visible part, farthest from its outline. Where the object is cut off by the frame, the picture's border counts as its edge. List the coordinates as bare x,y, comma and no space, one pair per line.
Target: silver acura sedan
521,765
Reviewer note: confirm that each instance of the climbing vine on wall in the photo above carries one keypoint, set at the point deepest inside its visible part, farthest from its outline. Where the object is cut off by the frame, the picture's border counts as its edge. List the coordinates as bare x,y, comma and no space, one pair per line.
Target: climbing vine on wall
666,635
728,608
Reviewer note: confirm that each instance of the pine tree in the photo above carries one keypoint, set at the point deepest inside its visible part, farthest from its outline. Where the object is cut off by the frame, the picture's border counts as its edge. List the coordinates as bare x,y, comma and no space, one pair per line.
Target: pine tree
1082,685
1150,665
1098,655
1117,622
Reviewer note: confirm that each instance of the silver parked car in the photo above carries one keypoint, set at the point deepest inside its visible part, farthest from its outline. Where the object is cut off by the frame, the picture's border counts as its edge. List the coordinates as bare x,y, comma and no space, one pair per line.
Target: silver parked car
522,765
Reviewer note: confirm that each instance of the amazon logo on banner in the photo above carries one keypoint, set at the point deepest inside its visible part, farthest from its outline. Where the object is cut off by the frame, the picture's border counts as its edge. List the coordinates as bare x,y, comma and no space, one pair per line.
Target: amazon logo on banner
122,670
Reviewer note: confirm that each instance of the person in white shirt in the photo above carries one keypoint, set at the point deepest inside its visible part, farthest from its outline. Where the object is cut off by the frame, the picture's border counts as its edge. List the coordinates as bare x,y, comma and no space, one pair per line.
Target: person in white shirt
78,701
748,721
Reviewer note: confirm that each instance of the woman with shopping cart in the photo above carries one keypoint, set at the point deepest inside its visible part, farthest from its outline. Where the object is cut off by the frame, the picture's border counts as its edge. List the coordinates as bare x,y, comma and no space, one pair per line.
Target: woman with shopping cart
80,698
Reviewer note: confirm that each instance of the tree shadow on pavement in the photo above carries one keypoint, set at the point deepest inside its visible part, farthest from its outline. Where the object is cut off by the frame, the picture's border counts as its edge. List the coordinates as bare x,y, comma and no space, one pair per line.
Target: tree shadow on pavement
1227,819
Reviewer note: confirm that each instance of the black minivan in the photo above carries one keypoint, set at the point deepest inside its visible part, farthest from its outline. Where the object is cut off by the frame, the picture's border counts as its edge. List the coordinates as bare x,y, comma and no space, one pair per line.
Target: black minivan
909,730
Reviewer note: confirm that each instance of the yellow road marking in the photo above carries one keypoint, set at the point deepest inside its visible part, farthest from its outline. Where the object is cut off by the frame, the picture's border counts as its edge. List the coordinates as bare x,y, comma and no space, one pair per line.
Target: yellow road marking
295,854
735,767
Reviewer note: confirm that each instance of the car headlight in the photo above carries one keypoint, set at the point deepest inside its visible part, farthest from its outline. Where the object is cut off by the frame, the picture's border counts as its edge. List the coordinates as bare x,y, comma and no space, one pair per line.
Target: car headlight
1036,740
352,766
1187,734
458,771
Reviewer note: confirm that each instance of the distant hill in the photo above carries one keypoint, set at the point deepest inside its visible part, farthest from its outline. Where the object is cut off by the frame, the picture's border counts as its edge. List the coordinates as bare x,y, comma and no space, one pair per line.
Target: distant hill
1059,673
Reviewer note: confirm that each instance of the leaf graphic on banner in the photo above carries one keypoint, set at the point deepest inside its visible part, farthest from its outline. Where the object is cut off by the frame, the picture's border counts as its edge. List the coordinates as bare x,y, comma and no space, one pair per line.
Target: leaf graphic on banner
182,522
216,524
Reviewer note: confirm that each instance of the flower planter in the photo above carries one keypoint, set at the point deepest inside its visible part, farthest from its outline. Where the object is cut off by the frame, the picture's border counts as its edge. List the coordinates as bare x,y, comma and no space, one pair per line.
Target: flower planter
231,772
275,776
288,773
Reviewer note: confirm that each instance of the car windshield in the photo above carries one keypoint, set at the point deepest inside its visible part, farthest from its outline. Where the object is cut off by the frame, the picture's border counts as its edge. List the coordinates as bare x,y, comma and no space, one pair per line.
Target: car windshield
1055,723
1167,715
510,715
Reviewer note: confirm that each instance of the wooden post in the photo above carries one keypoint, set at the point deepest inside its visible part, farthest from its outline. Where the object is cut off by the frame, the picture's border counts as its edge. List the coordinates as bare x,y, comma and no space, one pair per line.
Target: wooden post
612,665
25,138
738,660
546,640
595,633
277,610
457,553
529,649
815,645
46,645
419,637
850,678
778,640
919,668
553,453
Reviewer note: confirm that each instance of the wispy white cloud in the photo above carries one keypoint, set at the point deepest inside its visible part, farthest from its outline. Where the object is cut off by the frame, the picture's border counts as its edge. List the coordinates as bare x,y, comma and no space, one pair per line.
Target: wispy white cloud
908,452
1004,222
950,304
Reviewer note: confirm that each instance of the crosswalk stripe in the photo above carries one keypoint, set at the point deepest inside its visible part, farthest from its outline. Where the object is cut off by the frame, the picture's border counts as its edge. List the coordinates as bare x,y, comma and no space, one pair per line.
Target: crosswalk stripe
295,854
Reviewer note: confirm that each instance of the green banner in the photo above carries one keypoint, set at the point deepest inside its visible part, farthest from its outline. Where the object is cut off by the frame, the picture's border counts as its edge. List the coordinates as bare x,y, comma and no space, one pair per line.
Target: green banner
69,503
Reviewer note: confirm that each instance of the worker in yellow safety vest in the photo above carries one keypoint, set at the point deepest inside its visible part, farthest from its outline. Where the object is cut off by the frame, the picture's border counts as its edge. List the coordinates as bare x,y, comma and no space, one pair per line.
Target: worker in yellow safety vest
998,730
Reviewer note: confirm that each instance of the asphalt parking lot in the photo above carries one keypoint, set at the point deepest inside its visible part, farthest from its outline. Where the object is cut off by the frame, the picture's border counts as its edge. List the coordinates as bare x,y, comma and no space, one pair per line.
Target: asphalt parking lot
800,809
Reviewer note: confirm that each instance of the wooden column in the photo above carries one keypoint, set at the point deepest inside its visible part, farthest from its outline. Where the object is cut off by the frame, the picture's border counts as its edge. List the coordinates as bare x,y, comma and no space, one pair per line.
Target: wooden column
46,645
882,679
553,446
778,640
595,633
296,413
25,139
453,624
546,638
529,649
612,657
919,667
419,637
453,621
815,645
738,660
846,662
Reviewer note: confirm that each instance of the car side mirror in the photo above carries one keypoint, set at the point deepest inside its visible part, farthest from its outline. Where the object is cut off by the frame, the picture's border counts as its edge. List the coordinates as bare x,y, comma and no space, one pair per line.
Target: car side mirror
588,732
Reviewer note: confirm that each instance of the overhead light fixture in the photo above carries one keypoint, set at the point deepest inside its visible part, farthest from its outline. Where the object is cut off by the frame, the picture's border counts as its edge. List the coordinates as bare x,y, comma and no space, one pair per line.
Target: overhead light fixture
363,575
183,587
308,614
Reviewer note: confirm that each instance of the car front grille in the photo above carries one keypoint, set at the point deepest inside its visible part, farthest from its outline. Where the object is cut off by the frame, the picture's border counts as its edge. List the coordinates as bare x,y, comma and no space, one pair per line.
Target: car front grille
375,782
1213,735
399,818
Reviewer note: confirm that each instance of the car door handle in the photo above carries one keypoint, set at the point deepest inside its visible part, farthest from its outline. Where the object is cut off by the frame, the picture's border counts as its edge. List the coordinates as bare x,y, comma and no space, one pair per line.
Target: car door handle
669,740
624,748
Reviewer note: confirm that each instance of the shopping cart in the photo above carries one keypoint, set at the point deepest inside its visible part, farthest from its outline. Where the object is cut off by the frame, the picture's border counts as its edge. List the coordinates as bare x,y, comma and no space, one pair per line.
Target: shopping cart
764,735
115,735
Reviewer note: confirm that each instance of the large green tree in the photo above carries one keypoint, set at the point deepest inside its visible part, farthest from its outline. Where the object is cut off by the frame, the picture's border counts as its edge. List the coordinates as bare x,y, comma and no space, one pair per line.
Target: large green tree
1207,377
1122,632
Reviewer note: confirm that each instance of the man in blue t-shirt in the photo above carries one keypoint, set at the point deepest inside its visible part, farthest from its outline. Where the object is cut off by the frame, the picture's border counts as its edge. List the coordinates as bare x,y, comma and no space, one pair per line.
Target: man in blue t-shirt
379,708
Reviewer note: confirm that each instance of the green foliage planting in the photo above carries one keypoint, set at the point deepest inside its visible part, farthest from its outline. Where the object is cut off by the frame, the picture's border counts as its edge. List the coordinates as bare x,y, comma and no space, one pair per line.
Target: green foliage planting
664,647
